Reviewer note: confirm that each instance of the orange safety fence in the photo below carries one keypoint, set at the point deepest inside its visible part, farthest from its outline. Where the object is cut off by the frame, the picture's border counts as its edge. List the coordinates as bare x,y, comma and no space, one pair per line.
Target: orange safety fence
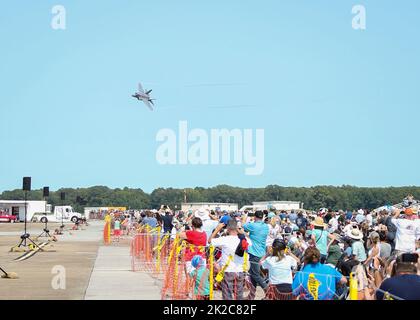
149,251
164,258
107,233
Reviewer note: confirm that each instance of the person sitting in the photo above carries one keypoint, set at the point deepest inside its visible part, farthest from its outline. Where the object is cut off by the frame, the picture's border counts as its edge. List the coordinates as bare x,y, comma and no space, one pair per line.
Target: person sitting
316,281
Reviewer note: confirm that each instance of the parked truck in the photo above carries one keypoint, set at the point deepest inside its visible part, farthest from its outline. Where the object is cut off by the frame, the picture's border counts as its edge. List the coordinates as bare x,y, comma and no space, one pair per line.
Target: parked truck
60,213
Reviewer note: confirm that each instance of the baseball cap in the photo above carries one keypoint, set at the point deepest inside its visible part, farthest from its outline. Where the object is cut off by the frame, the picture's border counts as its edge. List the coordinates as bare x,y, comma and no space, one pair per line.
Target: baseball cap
225,219
196,261
259,214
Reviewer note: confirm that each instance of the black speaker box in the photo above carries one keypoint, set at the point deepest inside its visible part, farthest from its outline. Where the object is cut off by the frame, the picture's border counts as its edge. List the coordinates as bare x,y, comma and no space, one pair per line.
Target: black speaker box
26,184
46,192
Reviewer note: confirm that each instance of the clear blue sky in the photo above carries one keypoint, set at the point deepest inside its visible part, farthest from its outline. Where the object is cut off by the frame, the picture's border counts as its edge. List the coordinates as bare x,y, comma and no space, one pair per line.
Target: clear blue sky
339,106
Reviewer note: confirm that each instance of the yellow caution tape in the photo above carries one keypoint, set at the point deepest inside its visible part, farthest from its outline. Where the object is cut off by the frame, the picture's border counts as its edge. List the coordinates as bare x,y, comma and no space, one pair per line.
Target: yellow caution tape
221,273
245,265
211,261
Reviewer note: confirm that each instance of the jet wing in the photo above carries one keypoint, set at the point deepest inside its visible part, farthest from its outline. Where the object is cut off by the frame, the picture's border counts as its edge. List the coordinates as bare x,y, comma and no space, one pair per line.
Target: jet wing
141,88
147,103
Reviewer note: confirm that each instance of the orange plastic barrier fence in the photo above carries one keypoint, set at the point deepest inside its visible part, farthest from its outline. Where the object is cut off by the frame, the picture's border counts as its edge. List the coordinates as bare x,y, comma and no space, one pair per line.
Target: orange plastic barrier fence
164,258
107,233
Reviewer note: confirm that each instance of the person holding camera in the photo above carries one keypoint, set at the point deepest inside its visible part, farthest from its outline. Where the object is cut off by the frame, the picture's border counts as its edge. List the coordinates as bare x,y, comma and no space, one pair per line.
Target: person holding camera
404,282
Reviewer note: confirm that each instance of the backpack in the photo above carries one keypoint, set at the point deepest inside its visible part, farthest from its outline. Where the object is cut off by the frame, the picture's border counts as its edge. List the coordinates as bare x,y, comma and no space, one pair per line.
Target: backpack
392,229
242,246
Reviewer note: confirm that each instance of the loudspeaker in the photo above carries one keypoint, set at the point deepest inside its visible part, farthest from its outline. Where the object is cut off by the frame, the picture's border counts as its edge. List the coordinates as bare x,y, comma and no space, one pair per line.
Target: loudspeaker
46,192
26,184
63,196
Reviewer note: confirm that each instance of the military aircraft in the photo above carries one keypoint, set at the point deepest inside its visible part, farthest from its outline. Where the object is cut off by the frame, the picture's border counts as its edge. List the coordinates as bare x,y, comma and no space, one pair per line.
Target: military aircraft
144,96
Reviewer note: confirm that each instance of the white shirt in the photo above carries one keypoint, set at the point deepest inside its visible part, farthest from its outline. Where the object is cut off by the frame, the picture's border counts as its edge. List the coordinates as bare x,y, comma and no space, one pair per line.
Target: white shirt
273,233
369,219
208,226
333,225
280,271
228,244
407,233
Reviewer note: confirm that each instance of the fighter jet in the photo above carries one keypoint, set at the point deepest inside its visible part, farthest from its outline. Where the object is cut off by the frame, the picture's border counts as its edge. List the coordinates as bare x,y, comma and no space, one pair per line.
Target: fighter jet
144,96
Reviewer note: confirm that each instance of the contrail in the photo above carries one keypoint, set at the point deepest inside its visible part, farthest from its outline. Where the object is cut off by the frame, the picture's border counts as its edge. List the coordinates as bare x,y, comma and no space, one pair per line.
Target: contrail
192,85
215,84
211,107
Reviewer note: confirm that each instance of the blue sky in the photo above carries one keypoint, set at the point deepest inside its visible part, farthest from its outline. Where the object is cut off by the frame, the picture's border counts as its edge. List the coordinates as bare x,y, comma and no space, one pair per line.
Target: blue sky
338,106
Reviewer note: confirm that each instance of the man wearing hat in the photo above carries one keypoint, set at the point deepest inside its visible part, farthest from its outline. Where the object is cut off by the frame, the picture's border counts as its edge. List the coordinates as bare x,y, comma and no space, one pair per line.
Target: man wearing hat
408,231
208,223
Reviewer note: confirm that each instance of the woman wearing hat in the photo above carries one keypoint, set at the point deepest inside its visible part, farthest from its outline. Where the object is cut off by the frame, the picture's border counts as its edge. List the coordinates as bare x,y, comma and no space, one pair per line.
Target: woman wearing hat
357,247
320,237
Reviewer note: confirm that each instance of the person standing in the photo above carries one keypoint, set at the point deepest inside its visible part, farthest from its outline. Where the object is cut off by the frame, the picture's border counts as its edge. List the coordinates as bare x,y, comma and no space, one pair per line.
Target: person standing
357,247
231,264
209,224
198,239
280,264
408,231
167,217
320,237
258,232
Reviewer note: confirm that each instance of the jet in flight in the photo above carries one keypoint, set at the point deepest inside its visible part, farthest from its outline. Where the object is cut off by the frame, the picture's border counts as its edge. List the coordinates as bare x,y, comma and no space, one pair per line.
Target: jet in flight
144,96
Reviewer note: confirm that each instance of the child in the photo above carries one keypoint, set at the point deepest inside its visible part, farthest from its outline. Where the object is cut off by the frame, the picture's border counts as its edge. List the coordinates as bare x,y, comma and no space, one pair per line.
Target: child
200,275
117,229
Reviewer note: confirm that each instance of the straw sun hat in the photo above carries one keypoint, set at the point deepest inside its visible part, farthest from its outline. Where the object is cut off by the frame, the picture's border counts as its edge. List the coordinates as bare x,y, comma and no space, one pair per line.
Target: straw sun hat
355,234
318,222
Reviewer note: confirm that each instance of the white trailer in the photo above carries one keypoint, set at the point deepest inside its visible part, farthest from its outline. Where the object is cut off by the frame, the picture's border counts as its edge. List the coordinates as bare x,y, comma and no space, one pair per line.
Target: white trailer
209,206
273,205
17,208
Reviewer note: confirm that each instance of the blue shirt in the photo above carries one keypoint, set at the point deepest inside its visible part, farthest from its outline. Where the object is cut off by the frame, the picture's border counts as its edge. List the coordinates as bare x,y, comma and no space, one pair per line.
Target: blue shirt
202,284
406,287
293,217
325,277
360,218
150,221
258,232
321,239
359,251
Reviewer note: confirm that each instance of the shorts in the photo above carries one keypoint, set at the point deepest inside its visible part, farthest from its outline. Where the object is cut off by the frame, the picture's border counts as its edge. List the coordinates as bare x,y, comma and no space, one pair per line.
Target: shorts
117,232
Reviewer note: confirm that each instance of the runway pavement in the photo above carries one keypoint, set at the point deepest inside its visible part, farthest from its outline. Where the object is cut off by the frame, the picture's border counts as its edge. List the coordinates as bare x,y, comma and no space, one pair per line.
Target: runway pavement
92,271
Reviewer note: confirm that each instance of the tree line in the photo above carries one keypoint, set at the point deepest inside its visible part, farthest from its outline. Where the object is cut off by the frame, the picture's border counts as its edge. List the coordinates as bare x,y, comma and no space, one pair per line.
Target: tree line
342,197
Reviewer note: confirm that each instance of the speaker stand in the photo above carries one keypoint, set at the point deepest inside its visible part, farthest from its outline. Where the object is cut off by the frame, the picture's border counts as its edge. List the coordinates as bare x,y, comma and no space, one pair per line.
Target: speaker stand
25,238
45,232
